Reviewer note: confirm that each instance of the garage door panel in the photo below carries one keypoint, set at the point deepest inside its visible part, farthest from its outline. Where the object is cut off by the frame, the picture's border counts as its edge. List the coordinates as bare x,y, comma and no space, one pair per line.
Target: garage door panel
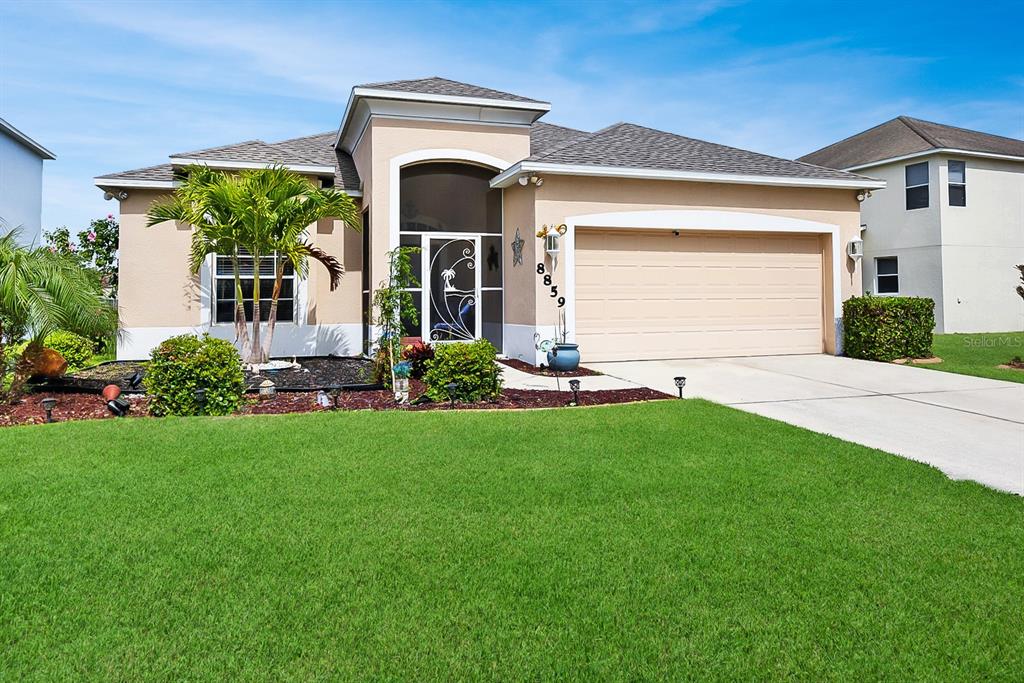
650,294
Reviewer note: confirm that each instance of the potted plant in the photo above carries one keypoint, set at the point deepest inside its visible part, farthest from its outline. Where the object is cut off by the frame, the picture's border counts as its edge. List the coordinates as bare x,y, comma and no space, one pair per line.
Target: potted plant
402,371
563,356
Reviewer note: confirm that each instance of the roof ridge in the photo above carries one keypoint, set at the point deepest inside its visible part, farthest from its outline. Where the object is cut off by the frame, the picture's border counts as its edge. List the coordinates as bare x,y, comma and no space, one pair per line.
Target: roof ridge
850,137
217,149
564,145
912,125
961,128
305,137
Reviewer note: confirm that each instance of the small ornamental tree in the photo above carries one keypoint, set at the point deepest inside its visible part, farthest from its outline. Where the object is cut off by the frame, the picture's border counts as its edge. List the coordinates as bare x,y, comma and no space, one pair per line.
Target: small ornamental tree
393,306
94,248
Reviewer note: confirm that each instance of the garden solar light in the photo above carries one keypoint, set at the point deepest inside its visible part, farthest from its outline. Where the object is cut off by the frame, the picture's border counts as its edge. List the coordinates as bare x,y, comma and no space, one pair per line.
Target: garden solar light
119,407
574,385
680,383
48,405
201,398
452,387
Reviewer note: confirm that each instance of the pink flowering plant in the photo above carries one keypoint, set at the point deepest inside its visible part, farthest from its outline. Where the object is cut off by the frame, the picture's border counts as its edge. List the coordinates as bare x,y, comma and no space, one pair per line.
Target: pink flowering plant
94,248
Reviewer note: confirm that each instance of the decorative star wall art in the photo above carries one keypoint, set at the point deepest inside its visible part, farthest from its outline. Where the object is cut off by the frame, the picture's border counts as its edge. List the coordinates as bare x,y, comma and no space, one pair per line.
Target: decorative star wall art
517,250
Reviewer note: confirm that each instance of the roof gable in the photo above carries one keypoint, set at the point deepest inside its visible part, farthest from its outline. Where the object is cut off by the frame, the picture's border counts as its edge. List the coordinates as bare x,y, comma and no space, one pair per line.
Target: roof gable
905,136
436,85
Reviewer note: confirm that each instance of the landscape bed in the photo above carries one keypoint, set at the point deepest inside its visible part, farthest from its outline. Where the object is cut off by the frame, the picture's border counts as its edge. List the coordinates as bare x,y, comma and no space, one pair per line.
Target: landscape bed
668,540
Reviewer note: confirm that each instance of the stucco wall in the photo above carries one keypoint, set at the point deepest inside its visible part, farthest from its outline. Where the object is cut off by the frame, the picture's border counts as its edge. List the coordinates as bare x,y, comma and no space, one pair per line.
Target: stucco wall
21,190
562,196
962,257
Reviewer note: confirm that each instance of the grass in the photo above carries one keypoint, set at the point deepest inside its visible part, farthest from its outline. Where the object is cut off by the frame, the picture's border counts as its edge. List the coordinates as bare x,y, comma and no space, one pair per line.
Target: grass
677,539
979,354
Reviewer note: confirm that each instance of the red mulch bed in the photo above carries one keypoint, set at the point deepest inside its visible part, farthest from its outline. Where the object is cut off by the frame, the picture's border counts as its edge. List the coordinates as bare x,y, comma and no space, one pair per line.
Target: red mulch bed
92,407
523,366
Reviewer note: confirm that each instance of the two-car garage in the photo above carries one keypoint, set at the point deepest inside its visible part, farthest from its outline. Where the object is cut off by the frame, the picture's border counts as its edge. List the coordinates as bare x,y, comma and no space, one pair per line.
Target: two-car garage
658,294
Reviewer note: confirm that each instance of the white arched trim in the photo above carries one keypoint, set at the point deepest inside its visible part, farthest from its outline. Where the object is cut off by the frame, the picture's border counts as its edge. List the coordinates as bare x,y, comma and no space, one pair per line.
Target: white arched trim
423,155
694,219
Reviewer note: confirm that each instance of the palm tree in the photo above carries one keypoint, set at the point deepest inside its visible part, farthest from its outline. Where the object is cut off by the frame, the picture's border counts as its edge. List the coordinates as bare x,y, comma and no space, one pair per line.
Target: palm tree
41,292
255,214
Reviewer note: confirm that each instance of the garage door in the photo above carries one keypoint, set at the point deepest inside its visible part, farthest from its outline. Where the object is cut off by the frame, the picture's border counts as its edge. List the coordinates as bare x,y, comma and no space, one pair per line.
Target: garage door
651,294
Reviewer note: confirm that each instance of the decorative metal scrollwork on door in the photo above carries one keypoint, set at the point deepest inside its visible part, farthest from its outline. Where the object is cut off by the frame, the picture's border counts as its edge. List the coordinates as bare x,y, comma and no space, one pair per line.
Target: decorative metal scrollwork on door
453,303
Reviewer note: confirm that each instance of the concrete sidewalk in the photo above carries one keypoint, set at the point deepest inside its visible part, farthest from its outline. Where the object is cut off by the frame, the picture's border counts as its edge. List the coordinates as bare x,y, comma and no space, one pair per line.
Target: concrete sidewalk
968,427
517,379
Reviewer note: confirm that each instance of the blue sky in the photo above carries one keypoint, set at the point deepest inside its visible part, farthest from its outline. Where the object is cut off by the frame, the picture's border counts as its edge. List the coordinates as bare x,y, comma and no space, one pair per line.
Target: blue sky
111,86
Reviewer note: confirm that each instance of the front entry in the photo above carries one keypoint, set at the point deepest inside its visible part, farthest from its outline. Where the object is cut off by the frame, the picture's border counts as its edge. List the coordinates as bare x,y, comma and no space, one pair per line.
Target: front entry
452,264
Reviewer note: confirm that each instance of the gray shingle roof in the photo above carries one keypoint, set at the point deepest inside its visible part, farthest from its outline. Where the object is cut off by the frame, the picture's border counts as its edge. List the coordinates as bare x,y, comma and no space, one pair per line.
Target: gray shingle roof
442,86
626,145
315,150
905,135
546,136
161,172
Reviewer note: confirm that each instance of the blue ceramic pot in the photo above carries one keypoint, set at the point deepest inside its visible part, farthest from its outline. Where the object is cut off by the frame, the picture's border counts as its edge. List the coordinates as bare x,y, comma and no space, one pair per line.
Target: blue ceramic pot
564,357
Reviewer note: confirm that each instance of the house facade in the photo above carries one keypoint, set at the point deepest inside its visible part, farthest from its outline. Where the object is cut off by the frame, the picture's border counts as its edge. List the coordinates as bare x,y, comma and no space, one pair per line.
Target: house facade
661,246
950,223
21,183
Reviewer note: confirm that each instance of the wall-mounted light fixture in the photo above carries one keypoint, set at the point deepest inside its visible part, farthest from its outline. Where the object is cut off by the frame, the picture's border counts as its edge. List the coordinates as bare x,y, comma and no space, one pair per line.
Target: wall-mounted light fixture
863,194
855,248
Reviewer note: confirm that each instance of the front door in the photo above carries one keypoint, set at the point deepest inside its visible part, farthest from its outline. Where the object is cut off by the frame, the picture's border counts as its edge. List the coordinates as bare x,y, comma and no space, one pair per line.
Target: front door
452,265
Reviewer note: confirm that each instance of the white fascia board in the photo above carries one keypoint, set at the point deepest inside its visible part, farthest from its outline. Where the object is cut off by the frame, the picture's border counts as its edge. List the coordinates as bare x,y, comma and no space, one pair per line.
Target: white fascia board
450,99
245,165
510,176
138,184
26,141
937,150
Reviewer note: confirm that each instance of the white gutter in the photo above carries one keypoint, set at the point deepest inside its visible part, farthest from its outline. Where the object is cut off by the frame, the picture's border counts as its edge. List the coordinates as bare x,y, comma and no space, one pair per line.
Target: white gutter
102,182
245,165
26,141
936,150
510,175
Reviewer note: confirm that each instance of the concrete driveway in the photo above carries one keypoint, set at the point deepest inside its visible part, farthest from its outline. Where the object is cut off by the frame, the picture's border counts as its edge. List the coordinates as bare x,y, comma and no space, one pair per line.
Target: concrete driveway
968,427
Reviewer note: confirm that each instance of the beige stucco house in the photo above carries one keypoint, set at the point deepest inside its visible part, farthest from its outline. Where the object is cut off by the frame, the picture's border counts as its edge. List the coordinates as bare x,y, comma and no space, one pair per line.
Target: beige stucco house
949,225
672,247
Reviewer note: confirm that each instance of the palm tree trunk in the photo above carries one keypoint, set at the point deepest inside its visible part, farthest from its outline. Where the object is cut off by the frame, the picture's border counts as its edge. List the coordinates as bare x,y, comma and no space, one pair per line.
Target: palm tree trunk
241,330
272,316
256,353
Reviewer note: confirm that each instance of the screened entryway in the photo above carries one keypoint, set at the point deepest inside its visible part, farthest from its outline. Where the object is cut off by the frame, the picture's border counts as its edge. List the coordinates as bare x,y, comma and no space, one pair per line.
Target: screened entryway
450,212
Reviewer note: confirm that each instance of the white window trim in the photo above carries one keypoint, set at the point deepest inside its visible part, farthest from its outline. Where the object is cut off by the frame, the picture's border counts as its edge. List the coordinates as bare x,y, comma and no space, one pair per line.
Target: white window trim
695,220
950,183
897,275
207,294
927,183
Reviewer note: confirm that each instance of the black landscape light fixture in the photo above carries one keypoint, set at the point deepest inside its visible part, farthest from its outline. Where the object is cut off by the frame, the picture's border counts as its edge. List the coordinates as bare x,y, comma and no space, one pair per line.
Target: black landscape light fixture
48,404
680,383
201,399
135,380
452,387
119,407
574,386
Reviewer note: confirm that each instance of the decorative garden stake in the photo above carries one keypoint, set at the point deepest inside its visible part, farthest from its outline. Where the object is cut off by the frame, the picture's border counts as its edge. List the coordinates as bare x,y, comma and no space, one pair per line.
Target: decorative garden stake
267,389
574,385
323,399
680,383
451,387
48,405
401,372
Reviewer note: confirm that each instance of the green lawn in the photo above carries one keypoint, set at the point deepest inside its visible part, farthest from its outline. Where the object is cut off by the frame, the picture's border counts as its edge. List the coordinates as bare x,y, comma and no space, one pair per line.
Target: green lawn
678,539
979,354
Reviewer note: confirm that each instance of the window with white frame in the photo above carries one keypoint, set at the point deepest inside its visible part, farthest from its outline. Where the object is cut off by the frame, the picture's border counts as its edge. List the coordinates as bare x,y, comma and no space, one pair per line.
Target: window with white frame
224,288
957,183
917,185
887,278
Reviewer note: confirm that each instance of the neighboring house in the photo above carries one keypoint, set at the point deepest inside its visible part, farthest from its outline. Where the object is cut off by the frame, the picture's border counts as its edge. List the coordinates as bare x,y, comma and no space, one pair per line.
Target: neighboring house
950,226
673,247
21,183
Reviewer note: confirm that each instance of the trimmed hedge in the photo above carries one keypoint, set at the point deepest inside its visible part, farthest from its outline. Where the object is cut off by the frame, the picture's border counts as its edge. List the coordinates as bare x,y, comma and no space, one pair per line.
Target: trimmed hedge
471,366
888,327
182,364
76,349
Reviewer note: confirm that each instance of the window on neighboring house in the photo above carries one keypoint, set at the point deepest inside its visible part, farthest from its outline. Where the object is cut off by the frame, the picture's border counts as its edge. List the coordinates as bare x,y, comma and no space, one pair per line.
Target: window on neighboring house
887,279
957,183
917,185
224,288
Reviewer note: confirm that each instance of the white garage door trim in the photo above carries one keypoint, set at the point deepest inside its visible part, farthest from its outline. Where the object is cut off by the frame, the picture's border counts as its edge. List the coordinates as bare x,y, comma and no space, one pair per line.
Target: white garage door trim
716,221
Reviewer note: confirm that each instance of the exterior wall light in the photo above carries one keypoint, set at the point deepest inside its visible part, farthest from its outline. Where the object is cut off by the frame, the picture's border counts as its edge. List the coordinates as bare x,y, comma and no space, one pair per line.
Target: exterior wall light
48,405
680,383
855,248
574,386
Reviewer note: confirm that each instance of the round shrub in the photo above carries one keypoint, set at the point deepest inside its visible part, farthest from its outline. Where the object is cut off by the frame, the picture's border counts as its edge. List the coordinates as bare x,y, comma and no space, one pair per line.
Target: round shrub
470,366
885,328
76,349
181,365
